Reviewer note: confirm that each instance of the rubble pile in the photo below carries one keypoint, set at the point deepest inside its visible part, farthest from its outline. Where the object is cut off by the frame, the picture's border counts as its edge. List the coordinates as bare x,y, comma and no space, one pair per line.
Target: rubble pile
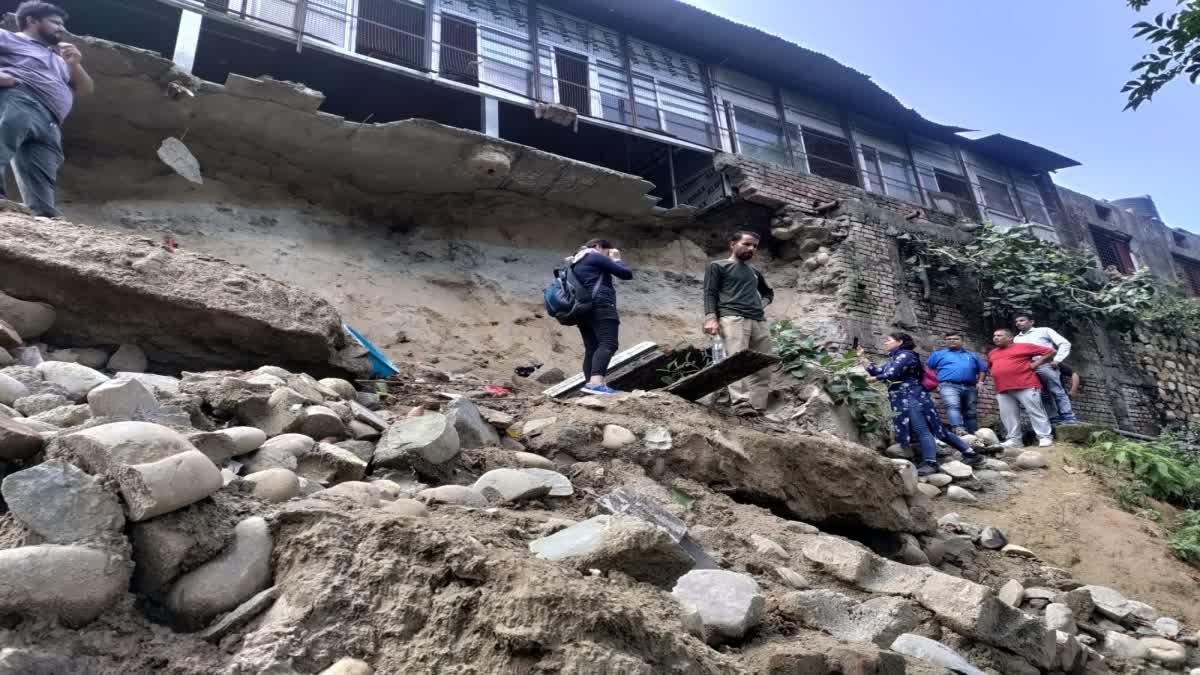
266,520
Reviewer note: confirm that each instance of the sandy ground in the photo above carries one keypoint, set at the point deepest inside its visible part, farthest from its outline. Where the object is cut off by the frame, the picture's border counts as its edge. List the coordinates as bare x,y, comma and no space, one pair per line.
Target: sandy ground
1071,521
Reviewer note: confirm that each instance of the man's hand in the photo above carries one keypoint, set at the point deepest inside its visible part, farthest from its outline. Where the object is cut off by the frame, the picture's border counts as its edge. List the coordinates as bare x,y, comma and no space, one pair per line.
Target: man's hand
1054,365
7,80
712,327
615,254
70,53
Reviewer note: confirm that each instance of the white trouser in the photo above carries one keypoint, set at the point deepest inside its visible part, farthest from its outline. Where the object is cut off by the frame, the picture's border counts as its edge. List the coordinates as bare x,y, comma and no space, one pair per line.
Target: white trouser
1012,402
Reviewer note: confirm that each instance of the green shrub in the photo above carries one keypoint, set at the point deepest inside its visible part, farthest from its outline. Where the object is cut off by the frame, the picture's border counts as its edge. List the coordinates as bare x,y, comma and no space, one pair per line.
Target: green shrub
1160,468
1185,538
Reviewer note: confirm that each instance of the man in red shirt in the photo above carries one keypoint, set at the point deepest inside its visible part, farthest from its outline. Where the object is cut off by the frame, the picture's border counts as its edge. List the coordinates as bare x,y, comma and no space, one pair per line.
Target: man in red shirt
1018,386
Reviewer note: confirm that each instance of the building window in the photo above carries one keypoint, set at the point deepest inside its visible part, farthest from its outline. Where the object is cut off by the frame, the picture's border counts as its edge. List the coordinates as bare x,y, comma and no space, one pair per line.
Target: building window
1190,270
391,31
889,175
1113,249
759,136
1103,212
460,51
828,156
957,189
997,196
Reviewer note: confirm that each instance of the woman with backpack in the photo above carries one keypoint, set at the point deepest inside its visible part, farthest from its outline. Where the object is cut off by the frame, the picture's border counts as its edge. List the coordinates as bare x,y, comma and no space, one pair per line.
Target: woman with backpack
913,407
595,265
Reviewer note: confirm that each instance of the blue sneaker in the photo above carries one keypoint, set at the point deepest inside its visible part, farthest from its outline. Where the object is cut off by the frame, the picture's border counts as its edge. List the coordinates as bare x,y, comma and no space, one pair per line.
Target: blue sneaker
601,389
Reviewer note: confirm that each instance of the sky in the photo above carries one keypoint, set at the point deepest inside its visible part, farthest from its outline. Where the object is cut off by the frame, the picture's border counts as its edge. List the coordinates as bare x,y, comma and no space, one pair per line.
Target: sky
1045,71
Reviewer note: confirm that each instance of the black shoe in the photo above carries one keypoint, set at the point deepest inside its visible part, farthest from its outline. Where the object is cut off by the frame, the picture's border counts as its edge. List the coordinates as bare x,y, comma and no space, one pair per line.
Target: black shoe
973,459
927,469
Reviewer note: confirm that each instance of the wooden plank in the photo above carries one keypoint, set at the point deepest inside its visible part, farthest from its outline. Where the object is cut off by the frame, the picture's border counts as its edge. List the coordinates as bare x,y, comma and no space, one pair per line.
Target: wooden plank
577,380
721,374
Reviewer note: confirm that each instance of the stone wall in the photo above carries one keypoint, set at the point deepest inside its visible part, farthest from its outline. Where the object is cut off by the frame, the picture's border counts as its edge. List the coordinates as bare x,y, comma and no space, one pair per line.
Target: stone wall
875,294
1171,361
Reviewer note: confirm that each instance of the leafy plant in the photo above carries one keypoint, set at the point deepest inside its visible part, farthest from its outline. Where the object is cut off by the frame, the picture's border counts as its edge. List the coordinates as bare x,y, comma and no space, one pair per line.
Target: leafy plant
1174,40
1156,465
1017,271
1185,538
687,361
839,375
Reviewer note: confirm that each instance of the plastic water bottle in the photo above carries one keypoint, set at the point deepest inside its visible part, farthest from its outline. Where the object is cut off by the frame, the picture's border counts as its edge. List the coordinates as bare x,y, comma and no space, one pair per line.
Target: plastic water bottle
718,349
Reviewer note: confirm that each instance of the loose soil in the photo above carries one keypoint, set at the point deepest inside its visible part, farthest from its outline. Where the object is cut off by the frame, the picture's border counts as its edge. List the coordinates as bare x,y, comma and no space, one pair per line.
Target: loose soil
1072,521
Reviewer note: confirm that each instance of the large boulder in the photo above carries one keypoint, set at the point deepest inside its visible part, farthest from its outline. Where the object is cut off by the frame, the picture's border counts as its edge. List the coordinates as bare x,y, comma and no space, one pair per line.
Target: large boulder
328,465
72,583
185,309
430,438
123,398
473,431
878,620
11,389
76,379
155,488
178,542
17,440
63,505
103,448
128,359
730,603
933,652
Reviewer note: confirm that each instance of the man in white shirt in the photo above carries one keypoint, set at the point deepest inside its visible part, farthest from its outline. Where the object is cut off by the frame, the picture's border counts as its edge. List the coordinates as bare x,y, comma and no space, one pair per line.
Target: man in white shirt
1054,397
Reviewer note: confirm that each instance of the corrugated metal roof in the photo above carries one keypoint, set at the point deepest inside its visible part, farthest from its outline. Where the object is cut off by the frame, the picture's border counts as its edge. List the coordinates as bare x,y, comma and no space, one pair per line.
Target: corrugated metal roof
720,41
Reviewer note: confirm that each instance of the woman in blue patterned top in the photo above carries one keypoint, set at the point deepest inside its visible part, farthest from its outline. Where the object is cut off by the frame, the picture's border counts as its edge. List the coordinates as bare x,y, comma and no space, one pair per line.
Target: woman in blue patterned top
915,414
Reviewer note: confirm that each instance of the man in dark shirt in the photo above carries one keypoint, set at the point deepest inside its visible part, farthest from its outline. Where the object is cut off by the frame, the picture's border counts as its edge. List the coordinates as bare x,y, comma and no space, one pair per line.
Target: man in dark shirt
39,77
734,296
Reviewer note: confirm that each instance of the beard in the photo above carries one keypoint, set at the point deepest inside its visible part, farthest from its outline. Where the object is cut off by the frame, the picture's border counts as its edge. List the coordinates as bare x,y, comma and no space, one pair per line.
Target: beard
745,255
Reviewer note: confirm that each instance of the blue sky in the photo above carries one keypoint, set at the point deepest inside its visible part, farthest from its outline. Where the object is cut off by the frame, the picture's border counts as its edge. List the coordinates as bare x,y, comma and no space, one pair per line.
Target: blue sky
1046,71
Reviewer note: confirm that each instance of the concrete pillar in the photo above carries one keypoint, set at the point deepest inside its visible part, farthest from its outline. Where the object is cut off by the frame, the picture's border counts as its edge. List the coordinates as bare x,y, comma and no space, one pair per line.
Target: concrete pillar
491,116
187,39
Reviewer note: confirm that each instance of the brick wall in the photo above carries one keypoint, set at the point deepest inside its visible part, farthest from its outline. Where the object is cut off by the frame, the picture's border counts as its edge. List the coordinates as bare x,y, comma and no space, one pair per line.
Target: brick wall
876,294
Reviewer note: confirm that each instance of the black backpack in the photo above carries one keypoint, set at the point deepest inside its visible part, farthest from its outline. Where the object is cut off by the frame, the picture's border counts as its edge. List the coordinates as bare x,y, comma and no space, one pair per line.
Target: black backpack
566,298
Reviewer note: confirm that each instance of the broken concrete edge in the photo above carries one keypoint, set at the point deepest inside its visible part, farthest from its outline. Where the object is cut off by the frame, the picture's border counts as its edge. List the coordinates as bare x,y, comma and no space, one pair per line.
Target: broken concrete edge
477,161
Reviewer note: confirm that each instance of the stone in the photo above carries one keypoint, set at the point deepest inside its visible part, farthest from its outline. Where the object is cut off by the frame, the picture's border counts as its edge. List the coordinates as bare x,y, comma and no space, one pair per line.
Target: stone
560,485
120,398
104,448
496,418
510,485
36,404
1018,551
452,494
617,543
1079,600
328,465
767,547
74,584
1059,617
407,507
1167,627
957,470
550,376
617,437
18,440
362,432
878,620
657,438
1121,646
348,666
939,479
908,475
310,487
897,451
1011,593
270,457
792,578
33,661
162,385
626,502
343,388
473,430
363,493
297,445
76,379
389,490
128,358
274,485
91,357
9,337
66,416
928,490
956,494
363,450
155,488
30,319
855,564
63,505
430,438
996,465
220,585
226,443
1109,603
1069,654
1166,652
1031,459
11,390
992,538
987,436
730,603
533,427
529,460
972,610
933,652
987,474
241,616
318,421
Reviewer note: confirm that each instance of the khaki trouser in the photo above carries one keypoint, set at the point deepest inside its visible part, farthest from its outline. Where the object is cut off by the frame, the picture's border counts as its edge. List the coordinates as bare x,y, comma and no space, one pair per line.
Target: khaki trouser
741,334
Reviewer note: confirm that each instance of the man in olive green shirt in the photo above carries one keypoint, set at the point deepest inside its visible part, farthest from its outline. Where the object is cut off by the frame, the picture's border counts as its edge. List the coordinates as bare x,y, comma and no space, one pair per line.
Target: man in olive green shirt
734,296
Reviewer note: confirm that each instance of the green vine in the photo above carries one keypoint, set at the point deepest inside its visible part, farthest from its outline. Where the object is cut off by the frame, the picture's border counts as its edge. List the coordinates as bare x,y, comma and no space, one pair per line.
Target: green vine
1016,271
839,375
686,361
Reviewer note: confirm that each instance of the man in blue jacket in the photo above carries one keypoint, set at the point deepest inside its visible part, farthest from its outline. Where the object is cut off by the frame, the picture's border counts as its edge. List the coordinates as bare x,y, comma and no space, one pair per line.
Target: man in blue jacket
960,376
